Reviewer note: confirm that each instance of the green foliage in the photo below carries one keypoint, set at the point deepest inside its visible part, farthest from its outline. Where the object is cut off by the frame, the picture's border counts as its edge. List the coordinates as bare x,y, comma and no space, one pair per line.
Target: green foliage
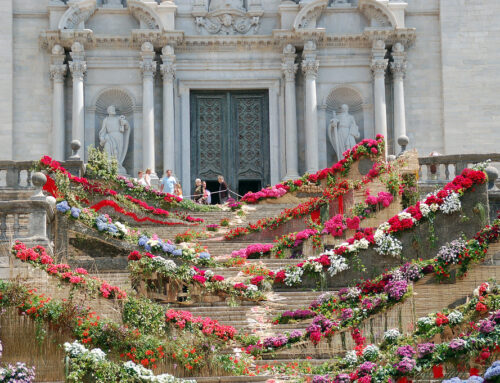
410,191
100,165
146,316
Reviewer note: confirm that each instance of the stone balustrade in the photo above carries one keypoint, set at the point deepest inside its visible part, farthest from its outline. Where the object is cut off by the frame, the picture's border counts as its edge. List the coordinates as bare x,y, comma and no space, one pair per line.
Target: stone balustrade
29,220
16,175
440,169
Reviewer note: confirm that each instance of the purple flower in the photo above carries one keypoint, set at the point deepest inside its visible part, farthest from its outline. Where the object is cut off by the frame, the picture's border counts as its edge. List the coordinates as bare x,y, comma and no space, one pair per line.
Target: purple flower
457,344
486,326
425,349
495,316
275,341
321,379
367,367
346,314
405,351
428,269
342,378
406,365
396,289
295,335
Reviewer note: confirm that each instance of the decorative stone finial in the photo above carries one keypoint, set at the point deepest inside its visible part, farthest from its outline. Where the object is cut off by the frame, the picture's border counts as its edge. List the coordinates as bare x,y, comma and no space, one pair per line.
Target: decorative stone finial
75,147
167,50
492,173
398,47
403,142
147,47
289,49
38,180
77,47
57,50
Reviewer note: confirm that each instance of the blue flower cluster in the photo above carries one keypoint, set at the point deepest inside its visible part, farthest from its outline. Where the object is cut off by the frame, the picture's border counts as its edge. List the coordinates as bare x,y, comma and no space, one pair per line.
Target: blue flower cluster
103,224
63,207
75,212
492,374
204,255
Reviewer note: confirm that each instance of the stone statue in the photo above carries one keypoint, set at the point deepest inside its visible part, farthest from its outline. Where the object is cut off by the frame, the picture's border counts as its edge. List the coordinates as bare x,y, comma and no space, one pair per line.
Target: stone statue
112,4
343,131
215,5
114,137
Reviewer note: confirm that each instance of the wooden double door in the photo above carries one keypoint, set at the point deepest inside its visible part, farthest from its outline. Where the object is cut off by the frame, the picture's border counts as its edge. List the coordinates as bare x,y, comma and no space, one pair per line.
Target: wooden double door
230,137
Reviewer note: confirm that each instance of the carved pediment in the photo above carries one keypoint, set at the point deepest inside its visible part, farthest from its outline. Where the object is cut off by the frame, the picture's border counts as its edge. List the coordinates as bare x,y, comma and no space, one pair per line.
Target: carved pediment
227,17
77,14
373,10
307,17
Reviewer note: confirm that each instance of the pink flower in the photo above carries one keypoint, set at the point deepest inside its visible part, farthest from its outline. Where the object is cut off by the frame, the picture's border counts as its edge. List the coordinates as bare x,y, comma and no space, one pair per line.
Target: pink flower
199,278
80,270
374,150
353,223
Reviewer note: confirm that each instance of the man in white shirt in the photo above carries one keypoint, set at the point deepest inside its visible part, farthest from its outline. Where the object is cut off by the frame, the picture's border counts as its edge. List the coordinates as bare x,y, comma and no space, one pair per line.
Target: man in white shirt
168,183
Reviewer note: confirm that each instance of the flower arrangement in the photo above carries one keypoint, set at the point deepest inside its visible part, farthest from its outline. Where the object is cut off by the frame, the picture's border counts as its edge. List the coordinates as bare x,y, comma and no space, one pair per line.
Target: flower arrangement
79,278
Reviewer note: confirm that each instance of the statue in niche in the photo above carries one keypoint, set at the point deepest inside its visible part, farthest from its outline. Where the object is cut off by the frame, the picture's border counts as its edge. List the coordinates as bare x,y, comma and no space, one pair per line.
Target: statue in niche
343,131
112,4
114,137
216,5
340,3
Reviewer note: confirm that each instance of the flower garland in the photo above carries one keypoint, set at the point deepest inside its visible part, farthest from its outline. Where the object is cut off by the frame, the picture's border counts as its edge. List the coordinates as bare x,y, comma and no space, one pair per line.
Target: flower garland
209,327
37,256
366,147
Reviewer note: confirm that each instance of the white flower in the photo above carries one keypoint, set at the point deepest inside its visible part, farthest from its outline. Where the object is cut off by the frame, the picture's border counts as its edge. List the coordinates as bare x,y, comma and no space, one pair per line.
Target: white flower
293,276
451,203
97,354
391,335
488,290
351,358
388,245
370,352
337,264
121,227
424,209
424,321
353,292
209,274
167,264
405,215
252,288
455,317
434,207
75,349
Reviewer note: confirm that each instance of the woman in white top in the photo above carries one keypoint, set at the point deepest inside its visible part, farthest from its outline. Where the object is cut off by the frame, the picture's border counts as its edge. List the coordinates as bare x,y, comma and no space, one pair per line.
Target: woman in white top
147,177
140,178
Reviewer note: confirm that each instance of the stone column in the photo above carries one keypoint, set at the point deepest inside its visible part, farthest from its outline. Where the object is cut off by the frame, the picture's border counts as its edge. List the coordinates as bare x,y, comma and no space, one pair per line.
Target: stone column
274,134
57,73
398,68
378,66
78,67
168,71
186,140
310,68
148,68
323,142
291,142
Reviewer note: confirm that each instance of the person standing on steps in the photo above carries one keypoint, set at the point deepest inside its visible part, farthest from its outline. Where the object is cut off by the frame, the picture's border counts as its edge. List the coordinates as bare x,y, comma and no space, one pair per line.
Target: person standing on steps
147,177
198,191
207,195
223,190
168,183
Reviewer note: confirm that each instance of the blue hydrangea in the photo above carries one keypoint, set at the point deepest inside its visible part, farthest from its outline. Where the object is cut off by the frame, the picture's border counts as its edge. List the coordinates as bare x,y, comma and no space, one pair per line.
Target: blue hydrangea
177,253
453,380
112,229
204,255
63,207
147,247
475,379
143,240
75,212
493,371
101,226
168,248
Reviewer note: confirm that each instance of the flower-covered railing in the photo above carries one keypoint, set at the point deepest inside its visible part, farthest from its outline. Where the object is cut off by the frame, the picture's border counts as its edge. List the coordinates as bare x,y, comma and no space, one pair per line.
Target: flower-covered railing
366,148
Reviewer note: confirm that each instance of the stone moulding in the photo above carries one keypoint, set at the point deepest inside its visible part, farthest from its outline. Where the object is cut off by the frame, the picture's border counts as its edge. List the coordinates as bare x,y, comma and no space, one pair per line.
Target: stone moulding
228,21
77,13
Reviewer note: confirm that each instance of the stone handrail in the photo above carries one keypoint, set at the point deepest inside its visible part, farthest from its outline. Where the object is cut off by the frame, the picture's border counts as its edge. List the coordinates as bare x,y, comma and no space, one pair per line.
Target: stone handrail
442,168
36,216
15,175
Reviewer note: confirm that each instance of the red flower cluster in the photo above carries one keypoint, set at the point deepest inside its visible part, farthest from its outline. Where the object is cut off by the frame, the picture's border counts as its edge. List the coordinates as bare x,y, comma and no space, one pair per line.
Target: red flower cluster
208,326
441,319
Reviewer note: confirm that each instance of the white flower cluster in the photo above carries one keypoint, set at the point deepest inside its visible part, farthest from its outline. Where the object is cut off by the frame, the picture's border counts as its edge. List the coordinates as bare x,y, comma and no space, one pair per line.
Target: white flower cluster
405,215
337,264
424,209
209,274
146,375
388,245
451,203
481,165
312,266
391,335
353,293
77,350
455,317
293,276
166,264
351,358
370,352
423,322
488,290
121,227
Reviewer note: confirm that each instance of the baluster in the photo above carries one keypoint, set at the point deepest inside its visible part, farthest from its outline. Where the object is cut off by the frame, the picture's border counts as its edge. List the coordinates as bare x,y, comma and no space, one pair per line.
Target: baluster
18,171
3,227
429,173
16,225
419,172
454,170
28,179
446,171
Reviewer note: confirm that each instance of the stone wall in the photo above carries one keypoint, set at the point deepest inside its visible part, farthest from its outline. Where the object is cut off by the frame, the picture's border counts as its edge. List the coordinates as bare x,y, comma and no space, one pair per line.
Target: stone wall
6,79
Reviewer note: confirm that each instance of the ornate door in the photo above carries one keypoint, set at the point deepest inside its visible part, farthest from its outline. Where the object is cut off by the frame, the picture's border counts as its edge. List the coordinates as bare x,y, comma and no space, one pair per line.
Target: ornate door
230,136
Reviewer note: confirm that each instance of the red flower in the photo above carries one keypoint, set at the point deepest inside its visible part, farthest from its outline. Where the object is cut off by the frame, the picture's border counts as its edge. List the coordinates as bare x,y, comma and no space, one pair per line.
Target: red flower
481,307
257,280
134,256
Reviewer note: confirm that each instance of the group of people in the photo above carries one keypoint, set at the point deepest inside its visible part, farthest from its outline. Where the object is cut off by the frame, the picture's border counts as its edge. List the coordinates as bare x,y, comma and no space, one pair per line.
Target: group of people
203,196
170,185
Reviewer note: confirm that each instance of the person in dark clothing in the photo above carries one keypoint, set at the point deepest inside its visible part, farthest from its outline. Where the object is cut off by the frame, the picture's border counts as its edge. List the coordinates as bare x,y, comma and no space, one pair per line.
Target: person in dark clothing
198,191
223,190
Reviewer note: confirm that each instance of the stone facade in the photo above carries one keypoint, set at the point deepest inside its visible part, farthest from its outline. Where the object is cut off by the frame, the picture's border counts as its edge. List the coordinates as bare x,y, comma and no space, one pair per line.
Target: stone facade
424,68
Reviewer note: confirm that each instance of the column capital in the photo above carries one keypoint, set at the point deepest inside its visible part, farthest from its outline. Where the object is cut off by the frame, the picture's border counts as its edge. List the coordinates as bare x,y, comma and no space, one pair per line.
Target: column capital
78,66
57,72
288,66
398,66
378,67
378,49
310,65
168,67
148,65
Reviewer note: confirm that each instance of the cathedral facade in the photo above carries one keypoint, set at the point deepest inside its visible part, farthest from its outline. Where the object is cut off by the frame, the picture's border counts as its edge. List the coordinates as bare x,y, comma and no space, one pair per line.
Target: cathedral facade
256,90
